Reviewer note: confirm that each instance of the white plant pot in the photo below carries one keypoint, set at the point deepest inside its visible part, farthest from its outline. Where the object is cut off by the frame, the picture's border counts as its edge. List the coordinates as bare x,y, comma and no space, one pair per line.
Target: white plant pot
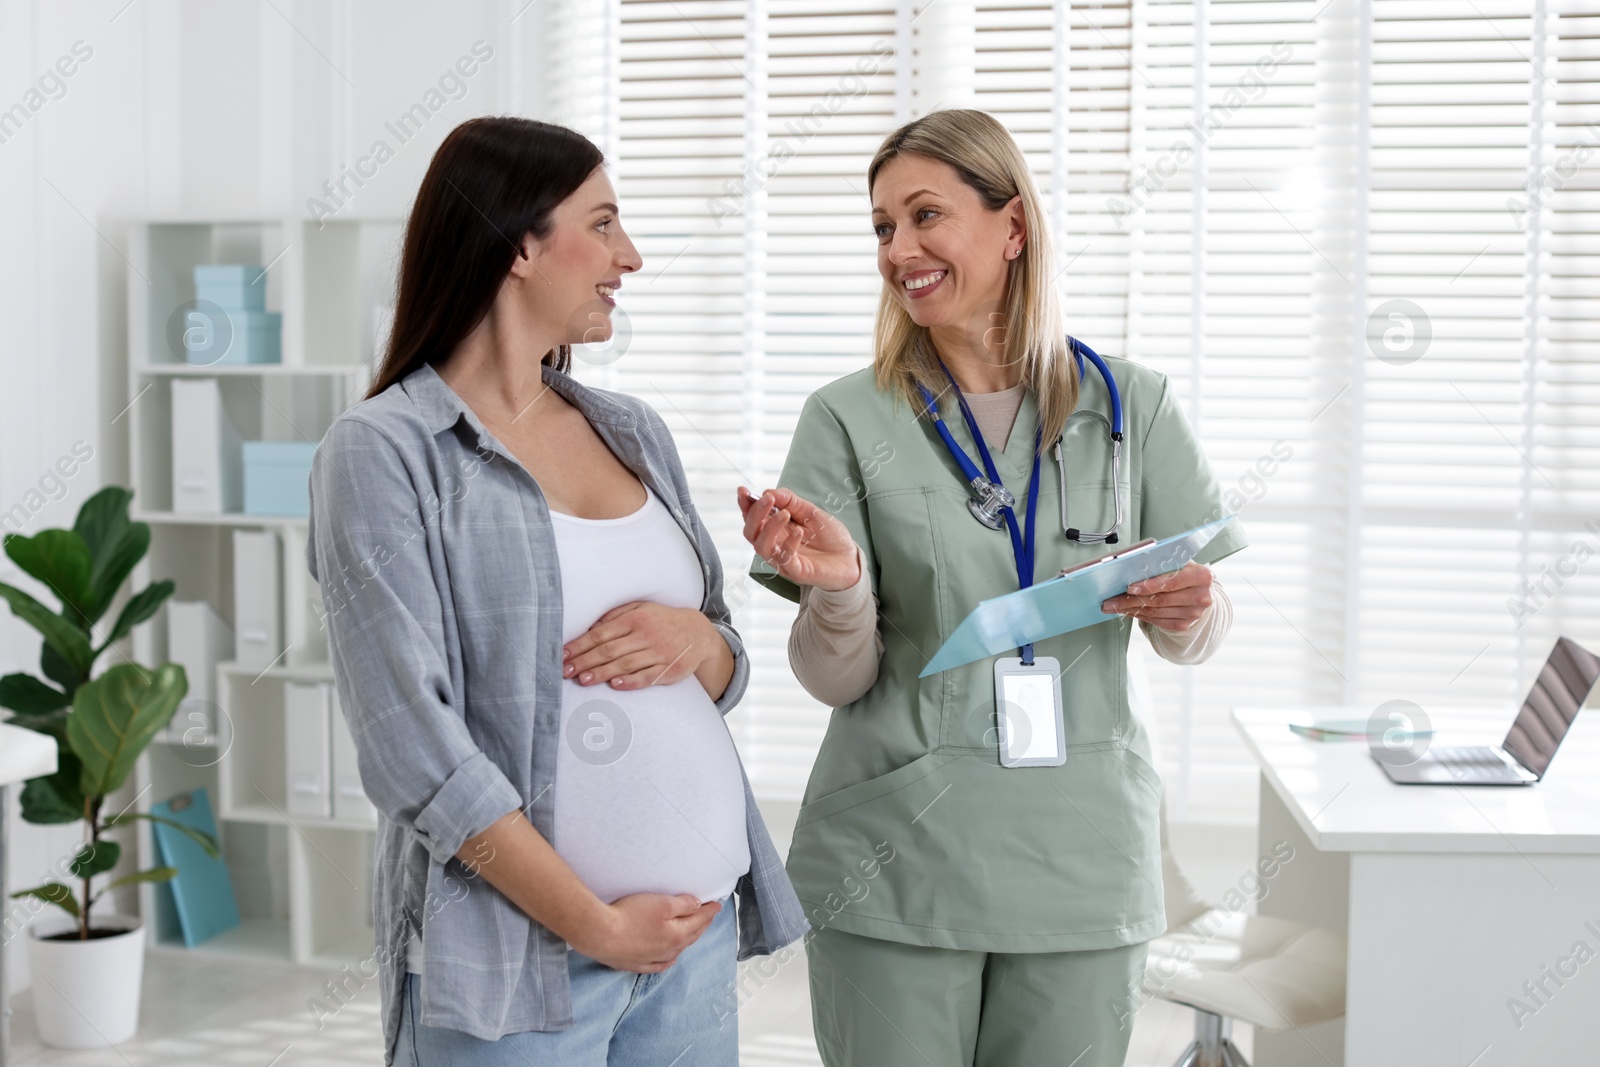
86,993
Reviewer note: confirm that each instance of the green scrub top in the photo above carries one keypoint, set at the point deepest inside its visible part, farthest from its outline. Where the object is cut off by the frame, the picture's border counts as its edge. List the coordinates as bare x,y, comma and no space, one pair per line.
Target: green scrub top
910,829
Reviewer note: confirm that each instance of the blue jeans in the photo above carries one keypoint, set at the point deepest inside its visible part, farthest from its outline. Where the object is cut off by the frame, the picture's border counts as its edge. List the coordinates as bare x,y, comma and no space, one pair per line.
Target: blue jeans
684,1016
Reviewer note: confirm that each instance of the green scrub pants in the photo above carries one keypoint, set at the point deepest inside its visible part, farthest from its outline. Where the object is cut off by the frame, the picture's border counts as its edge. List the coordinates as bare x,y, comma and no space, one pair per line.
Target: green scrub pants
888,1004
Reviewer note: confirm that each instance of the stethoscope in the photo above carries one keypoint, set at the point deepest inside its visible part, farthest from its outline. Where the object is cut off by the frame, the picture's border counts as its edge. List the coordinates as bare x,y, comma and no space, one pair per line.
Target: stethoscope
992,503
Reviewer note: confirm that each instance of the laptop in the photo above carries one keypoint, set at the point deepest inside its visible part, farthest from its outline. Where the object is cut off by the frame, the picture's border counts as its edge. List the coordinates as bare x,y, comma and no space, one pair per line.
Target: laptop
1569,675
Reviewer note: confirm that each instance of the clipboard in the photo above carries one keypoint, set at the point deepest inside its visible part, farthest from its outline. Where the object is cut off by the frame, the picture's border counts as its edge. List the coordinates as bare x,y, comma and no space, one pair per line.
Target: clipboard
1070,601
201,891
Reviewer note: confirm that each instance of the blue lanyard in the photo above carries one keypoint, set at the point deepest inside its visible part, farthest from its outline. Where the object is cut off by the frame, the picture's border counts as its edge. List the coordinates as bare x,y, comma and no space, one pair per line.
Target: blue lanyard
1021,547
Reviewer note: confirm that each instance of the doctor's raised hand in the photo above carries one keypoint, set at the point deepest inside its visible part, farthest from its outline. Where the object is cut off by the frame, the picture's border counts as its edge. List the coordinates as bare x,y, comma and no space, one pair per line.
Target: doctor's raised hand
807,544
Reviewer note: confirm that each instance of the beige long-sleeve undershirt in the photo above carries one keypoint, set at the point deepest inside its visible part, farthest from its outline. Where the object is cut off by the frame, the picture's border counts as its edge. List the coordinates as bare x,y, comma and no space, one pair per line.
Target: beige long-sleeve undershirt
835,646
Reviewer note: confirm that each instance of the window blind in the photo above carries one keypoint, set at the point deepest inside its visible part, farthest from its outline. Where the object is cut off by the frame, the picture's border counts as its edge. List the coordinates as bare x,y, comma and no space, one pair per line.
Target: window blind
742,134
1176,141
1359,236
1479,463
831,99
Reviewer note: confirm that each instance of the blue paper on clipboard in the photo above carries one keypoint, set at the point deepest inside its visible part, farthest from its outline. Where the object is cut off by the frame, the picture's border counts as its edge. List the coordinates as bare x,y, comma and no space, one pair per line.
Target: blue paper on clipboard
201,891
1065,603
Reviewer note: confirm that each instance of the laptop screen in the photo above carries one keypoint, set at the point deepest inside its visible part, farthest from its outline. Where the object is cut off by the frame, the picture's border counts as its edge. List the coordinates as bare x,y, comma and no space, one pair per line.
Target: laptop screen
1559,691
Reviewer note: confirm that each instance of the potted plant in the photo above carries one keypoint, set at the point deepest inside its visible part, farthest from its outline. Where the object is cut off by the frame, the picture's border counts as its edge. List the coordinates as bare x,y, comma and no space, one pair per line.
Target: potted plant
87,975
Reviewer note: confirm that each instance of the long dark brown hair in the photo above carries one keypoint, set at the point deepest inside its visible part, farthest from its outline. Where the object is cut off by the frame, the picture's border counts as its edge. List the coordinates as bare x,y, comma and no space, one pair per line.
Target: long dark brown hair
492,181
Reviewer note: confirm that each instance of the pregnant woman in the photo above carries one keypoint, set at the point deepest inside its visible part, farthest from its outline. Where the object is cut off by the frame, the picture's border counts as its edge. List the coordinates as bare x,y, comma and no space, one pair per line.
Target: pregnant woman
532,649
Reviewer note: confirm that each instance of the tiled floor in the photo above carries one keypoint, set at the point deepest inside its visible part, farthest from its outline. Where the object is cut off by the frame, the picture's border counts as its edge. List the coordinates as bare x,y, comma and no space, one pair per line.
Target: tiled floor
203,1013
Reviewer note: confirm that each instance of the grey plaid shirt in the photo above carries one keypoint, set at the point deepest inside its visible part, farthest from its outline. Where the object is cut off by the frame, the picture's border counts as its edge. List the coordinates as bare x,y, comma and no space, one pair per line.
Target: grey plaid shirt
441,589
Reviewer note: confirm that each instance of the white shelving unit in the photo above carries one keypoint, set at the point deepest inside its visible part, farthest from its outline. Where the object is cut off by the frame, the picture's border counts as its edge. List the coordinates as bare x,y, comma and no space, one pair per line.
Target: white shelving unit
303,884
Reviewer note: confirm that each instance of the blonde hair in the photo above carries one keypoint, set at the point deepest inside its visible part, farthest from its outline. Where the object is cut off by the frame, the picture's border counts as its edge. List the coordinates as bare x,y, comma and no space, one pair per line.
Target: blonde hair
986,157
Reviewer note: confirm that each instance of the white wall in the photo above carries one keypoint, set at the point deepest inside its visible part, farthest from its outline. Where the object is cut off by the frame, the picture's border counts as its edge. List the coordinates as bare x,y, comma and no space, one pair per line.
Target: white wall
236,108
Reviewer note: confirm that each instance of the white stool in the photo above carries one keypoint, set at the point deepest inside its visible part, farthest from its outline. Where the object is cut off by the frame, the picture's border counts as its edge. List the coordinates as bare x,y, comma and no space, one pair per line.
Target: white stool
1270,973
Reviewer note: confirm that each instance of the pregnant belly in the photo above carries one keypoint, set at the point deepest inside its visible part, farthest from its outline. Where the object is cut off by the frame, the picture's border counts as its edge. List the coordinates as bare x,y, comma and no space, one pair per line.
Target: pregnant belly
649,797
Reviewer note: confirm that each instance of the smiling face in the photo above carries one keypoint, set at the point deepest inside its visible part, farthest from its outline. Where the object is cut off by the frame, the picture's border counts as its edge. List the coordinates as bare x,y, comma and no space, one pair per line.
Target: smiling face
943,254
573,274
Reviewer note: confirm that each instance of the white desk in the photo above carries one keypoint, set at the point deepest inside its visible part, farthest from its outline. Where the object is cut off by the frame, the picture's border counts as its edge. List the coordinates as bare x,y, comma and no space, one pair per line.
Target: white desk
1452,897
24,754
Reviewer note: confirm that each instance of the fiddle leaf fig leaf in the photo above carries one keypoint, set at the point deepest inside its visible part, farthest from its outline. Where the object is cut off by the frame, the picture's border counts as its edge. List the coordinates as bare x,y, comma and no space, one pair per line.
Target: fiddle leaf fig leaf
55,798
26,694
96,858
115,544
60,560
200,837
115,716
58,670
55,893
103,518
154,874
68,641
143,605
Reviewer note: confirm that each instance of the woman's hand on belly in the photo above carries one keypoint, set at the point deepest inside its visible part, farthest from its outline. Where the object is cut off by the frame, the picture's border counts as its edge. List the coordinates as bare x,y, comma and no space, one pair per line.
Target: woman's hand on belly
642,643
807,544
645,932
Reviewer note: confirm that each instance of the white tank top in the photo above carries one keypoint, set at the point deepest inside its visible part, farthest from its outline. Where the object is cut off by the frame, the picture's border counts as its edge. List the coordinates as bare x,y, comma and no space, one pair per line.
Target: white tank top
648,795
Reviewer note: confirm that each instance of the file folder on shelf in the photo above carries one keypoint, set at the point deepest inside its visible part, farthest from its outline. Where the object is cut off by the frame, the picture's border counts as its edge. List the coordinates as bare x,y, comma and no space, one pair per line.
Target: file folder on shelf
197,640
257,615
350,803
207,456
307,761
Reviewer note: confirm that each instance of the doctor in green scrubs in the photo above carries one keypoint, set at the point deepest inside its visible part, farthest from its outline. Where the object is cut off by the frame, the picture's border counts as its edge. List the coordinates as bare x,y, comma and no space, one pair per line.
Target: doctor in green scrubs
964,912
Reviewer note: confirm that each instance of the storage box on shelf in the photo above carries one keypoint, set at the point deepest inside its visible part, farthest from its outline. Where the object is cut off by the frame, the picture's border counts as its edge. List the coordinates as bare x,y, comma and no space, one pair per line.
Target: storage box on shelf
229,322
302,880
276,474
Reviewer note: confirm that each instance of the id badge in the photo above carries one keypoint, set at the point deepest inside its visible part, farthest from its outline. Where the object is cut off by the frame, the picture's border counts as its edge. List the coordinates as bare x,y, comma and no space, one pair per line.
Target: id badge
1027,703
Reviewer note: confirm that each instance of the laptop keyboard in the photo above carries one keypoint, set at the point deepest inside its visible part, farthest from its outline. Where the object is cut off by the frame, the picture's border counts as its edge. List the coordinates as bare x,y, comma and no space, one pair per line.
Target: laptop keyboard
1472,763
